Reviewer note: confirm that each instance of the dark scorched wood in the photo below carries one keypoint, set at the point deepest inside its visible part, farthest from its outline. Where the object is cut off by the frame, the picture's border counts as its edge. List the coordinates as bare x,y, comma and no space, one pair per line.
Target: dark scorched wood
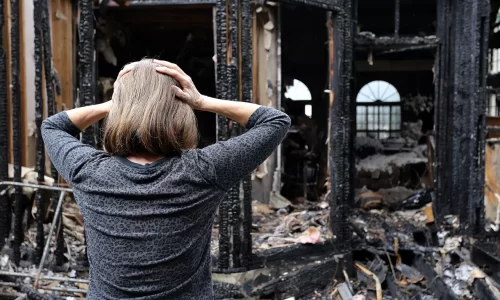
246,92
39,109
341,128
333,5
5,210
86,63
460,111
435,282
16,126
224,91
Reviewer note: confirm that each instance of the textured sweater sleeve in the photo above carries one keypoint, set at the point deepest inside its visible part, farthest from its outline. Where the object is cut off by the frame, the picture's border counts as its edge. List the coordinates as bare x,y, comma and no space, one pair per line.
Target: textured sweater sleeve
227,162
67,153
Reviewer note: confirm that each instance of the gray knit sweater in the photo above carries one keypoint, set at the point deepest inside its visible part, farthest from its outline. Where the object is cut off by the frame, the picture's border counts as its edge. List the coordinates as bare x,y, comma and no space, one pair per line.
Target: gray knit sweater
149,227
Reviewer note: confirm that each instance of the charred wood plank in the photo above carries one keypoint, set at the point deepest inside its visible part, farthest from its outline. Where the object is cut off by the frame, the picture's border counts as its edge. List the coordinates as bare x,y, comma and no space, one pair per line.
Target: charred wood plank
342,126
86,63
293,254
16,126
435,283
301,282
333,5
483,255
5,210
246,84
482,291
224,91
39,109
460,111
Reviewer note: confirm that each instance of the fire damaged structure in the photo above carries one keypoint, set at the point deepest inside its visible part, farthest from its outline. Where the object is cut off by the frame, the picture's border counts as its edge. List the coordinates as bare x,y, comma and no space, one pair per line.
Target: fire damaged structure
385,188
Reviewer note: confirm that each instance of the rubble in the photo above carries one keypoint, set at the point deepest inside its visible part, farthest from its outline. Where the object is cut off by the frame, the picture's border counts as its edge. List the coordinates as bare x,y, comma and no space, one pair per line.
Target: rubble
386,171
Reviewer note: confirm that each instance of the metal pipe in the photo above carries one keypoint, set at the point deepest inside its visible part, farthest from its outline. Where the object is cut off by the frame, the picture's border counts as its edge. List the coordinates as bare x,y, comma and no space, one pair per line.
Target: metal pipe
47,244
54,278
36,186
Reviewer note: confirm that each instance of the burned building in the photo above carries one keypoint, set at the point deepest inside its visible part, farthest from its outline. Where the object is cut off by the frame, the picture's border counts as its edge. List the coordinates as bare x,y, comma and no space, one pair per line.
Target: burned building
386,185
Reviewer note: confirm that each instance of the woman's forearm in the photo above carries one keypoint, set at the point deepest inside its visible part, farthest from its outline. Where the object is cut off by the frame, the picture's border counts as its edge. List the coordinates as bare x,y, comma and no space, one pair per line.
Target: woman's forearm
84,117
234,110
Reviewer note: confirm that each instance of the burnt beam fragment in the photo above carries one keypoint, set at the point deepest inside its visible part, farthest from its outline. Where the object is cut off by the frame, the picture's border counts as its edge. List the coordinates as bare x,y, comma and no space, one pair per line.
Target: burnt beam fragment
225,86
5,210
460,95
39,108
332,5
436,283
16,126
234,82
292,255
341,159
301,282
246,83
380,44
86,64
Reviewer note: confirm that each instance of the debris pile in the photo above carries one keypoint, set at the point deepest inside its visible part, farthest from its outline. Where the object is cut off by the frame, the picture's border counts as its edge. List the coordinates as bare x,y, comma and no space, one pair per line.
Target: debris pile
55,282
405,169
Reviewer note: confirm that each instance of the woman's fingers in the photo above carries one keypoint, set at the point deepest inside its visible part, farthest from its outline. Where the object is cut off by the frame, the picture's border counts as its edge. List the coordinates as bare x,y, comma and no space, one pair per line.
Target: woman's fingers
180,94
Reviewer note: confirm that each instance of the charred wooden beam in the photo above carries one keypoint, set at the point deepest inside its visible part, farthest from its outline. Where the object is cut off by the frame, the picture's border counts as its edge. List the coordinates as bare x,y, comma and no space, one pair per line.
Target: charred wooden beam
39,110
225,82
234,82
5,210
436,283
333,5
482,290
302,281
461,71
246,84
86,63
293,254
86,60
16,126
485,255
341,159
372,43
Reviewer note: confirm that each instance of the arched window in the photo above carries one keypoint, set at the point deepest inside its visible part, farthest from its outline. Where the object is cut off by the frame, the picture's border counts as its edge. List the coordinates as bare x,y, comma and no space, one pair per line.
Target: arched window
299,92
378,110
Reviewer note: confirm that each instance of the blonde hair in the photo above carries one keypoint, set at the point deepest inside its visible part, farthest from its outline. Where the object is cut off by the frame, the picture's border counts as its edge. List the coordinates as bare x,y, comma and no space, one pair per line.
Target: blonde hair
146,117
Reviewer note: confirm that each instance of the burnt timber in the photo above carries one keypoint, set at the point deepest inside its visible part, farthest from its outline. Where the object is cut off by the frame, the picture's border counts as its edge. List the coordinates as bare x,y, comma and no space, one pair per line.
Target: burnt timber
460,111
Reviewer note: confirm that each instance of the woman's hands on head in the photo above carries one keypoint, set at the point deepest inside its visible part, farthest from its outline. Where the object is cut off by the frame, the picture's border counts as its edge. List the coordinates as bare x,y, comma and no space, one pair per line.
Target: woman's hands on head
188,92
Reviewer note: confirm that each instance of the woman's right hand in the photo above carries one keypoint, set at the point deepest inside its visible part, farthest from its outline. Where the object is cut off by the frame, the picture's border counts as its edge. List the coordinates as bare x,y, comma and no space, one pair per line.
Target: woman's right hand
188,93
